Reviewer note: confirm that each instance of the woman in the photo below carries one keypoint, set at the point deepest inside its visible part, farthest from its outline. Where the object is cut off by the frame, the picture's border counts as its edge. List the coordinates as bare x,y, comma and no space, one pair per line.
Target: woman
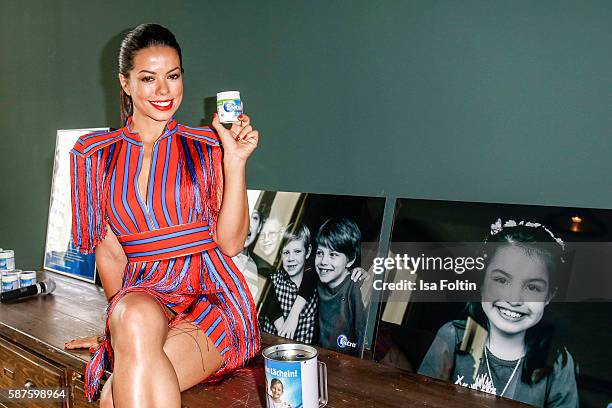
147,197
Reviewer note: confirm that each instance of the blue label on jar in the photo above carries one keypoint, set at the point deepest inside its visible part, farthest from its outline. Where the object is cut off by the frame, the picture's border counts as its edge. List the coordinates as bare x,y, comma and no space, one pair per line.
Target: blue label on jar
233,106
9,286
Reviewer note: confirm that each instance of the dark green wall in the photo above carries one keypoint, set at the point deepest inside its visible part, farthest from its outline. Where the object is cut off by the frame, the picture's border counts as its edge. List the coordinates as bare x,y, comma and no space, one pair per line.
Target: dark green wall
503,101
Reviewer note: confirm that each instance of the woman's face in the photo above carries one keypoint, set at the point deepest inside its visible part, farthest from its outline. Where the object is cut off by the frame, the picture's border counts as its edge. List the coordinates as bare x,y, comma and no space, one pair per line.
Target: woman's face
515,289
155,83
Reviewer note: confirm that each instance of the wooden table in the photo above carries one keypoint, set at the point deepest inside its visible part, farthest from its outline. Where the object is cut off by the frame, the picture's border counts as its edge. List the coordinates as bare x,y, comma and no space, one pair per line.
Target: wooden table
43,324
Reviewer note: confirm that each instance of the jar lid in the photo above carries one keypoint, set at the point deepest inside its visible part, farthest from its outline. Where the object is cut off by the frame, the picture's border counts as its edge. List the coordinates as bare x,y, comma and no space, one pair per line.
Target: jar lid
7,253
10,277
228,95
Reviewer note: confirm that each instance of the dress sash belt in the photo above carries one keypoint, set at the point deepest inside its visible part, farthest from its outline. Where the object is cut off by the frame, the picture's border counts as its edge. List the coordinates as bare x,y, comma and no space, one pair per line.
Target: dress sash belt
169,242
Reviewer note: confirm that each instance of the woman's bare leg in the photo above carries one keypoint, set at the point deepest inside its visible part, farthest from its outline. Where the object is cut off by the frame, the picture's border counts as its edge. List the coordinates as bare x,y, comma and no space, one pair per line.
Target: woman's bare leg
106,395
191,353
143,376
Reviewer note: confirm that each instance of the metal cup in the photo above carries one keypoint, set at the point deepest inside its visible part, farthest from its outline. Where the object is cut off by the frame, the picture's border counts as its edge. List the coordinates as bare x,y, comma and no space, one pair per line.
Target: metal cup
294,377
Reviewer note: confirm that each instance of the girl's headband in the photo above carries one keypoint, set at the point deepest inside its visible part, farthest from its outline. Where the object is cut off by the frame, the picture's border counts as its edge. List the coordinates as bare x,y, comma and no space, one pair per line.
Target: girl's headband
498,226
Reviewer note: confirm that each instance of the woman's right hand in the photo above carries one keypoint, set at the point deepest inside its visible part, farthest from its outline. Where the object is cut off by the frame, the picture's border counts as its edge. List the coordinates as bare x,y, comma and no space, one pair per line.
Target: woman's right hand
91,343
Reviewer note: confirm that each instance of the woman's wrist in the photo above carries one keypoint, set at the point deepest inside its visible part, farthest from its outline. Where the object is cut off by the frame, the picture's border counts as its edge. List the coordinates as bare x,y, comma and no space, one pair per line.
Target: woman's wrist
232,163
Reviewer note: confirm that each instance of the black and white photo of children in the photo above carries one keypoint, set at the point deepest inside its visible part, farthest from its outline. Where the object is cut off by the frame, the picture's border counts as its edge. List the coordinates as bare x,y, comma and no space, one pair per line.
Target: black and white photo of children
518,284
537,328
301,254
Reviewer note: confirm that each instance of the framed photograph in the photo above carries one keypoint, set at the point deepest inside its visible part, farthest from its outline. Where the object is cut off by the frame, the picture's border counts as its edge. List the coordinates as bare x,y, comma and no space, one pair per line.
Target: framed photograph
60,254
307,261
513,300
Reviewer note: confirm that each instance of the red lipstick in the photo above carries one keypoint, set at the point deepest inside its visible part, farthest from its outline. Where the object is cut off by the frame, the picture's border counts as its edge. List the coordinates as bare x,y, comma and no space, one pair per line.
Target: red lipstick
162,105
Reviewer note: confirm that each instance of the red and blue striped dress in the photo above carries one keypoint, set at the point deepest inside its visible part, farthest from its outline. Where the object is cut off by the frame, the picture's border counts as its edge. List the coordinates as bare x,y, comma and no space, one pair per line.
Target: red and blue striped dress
166,233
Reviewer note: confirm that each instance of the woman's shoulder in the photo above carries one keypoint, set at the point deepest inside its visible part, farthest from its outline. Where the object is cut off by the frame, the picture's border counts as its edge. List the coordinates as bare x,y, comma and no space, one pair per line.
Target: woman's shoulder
91,142
204,134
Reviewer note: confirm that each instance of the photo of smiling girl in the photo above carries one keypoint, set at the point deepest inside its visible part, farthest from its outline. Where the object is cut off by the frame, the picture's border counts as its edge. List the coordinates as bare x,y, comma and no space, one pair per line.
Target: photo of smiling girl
509,341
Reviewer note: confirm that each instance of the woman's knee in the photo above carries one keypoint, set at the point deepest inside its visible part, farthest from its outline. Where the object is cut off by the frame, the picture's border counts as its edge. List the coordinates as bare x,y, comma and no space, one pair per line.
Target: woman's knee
138,318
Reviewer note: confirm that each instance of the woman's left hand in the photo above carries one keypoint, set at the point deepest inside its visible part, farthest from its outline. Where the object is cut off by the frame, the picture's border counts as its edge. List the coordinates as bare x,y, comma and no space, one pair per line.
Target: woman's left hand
240,140
91,342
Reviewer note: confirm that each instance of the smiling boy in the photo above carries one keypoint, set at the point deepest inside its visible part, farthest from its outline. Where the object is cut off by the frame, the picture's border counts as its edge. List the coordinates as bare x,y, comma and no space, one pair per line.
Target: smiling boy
341,309
294,285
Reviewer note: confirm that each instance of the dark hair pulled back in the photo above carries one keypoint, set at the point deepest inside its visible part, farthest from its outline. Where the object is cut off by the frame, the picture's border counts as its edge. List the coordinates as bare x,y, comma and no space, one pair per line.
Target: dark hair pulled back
143,36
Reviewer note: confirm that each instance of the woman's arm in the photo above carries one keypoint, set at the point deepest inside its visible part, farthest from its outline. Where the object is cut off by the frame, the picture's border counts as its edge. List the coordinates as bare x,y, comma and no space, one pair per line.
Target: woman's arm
233,220
111,262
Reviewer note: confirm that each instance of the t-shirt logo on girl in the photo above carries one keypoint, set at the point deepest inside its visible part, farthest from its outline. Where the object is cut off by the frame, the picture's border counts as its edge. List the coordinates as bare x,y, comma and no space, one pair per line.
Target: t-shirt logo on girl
481,383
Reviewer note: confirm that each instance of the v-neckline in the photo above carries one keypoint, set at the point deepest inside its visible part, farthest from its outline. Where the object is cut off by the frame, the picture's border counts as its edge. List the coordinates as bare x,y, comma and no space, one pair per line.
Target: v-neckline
134,137
145,199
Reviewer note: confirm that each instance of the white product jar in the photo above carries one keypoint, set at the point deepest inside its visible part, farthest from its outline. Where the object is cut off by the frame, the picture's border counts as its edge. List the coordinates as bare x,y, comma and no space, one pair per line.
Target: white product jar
229,106
27,278
10,281
7,260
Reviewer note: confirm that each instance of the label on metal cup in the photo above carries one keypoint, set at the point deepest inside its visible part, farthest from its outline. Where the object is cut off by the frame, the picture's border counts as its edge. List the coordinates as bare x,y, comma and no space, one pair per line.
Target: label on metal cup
292,378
